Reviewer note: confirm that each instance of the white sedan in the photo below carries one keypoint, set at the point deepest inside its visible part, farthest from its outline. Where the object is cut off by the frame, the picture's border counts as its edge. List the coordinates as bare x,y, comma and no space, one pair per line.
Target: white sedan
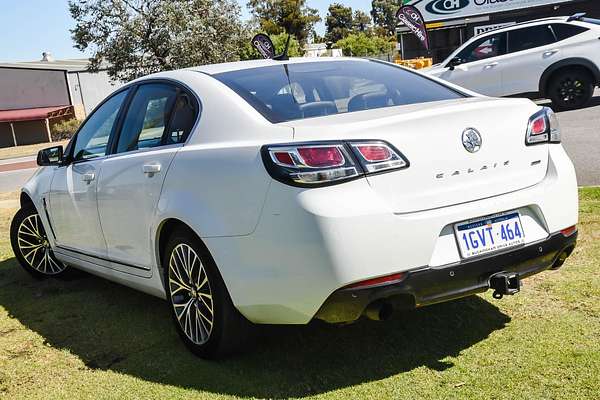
276,192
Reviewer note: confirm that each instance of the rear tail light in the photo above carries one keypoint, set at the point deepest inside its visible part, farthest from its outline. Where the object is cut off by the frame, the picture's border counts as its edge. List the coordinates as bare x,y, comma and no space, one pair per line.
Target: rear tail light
543,127
378,157
316,164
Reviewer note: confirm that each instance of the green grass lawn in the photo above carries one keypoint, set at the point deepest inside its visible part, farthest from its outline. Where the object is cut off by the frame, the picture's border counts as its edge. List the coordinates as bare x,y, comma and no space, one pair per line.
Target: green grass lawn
88,338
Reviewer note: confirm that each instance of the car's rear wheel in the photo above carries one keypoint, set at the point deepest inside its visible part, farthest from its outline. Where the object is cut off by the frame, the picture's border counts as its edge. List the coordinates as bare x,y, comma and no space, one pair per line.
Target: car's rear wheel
203,313
31,247
571,89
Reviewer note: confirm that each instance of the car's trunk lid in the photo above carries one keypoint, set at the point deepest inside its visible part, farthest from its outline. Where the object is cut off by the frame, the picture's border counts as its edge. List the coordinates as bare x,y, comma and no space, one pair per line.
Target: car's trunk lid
442,172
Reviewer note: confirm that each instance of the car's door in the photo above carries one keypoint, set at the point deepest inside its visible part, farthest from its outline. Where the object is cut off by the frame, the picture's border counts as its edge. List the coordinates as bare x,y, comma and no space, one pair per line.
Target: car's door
530,51
481,65
72,197
158,120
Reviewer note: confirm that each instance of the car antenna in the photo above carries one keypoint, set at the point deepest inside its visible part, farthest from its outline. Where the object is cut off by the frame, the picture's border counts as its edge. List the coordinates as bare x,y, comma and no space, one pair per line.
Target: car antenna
284,56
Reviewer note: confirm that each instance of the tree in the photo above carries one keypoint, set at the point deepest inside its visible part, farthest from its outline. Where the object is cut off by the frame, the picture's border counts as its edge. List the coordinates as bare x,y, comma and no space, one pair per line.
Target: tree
361,21
338,22
291,16
361,44
384,16
139,37
248,52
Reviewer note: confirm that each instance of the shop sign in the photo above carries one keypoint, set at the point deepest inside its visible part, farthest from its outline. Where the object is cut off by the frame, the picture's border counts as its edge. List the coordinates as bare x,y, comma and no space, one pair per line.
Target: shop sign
434,10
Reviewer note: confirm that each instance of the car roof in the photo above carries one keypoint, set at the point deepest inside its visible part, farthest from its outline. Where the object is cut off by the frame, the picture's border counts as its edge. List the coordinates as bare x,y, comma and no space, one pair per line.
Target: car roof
213,69
533,22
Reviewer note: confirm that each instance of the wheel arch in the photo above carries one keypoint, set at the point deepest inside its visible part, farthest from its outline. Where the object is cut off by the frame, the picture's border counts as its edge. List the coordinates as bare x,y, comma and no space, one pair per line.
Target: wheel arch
576,62
164,231
25,200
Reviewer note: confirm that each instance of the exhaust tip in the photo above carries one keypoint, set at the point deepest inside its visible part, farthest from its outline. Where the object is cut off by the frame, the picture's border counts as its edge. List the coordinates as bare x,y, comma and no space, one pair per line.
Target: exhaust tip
379,311
562,257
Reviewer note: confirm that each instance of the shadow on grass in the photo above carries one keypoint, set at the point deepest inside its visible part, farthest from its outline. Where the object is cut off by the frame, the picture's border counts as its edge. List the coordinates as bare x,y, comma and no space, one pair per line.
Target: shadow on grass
111,327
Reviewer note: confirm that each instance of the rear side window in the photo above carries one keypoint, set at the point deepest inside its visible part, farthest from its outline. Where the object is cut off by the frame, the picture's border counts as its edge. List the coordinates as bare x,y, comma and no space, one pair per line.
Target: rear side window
565,31
182,120
529,38
147,117
159,114
296,91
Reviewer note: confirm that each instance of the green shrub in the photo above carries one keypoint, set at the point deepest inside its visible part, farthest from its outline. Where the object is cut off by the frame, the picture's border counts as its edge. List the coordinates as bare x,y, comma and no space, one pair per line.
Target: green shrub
65,129
363,45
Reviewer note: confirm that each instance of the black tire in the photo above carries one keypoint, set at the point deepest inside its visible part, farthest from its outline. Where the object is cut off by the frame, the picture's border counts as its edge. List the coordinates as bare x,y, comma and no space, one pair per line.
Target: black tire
229,330
30,244
571,89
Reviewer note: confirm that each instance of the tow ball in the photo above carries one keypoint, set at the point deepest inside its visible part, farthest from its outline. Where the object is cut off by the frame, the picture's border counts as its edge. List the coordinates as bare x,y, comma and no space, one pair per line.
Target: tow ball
505,283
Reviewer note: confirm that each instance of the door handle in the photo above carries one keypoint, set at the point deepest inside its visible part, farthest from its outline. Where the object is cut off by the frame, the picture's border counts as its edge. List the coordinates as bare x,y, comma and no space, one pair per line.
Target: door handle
88,177
490,65
151,169
549,53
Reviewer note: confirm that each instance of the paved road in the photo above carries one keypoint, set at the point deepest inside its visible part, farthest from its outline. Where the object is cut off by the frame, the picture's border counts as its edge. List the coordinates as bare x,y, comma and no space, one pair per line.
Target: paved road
581,138
580,133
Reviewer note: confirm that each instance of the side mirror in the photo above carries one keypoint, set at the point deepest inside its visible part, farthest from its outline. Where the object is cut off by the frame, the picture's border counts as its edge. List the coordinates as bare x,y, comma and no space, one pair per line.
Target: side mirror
50,156
453,63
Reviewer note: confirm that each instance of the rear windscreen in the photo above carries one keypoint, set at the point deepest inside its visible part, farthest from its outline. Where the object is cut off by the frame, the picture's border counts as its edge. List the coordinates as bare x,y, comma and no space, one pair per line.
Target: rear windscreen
289,92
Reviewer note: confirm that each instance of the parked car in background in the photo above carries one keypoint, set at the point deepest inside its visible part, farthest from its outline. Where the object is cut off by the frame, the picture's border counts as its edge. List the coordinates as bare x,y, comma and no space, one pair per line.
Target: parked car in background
276,192
554,58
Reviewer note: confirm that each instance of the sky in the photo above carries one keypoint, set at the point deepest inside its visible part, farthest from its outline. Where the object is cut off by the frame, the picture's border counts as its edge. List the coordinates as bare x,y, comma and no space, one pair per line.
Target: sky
30,27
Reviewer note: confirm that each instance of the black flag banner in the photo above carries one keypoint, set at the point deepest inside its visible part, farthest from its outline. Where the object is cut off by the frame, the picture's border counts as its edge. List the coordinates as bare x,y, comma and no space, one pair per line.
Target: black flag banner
413,19
264,45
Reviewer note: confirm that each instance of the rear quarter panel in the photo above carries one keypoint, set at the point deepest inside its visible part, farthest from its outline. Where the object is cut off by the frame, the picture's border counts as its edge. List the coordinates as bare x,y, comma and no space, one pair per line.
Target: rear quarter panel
217,182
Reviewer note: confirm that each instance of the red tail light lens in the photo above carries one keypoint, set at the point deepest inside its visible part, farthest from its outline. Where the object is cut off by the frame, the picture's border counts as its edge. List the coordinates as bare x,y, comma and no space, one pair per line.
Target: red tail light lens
318,157
543,127
326,163
378,156
283,157
538,126
373,153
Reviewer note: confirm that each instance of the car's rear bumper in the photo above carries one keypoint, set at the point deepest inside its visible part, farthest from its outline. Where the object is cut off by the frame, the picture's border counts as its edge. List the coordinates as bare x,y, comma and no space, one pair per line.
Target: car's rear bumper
429,285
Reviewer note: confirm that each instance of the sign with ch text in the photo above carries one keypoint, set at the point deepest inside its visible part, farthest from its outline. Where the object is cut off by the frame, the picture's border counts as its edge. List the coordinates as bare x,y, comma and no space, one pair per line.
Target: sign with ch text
436,10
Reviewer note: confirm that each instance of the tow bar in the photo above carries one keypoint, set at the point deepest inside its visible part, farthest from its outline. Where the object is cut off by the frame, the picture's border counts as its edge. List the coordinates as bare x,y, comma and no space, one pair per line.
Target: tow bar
505,283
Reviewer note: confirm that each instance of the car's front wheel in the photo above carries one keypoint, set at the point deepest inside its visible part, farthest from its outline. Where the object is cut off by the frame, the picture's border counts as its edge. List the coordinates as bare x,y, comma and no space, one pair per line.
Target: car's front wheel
202,310
571,89
31,246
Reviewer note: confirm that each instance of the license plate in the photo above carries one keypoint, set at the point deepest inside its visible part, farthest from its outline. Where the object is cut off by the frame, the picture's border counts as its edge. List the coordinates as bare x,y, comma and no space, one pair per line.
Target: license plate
490,234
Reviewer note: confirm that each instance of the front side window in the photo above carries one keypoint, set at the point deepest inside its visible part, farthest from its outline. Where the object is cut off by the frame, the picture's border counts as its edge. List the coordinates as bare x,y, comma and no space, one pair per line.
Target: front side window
92,139
147,117
529,38
304,90
486,47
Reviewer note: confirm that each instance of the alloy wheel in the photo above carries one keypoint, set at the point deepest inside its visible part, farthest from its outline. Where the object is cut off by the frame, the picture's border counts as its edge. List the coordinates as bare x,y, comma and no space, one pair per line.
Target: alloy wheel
35,248
571,90
191,294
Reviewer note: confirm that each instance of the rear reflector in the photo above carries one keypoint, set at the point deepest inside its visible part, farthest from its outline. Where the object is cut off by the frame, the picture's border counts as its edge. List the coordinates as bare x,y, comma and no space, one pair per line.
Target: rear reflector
569,231
388,279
